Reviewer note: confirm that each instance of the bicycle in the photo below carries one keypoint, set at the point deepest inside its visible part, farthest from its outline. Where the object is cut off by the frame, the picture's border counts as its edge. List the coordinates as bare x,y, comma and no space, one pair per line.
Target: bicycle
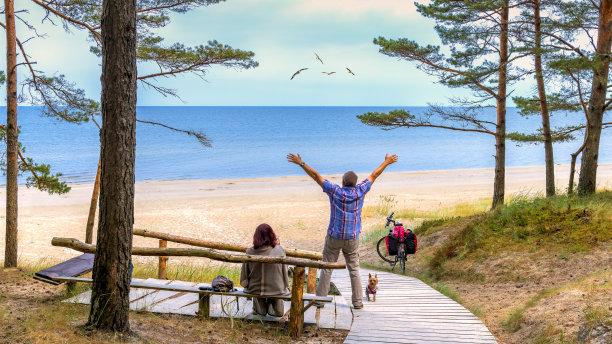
381,246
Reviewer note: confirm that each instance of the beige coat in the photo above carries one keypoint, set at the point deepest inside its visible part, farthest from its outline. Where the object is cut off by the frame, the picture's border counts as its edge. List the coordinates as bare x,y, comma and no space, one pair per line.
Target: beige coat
265,279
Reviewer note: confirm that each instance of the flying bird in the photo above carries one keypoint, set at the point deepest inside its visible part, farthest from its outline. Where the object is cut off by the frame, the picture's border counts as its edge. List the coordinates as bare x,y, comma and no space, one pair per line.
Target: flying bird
318,58
329,73
298,72
349,70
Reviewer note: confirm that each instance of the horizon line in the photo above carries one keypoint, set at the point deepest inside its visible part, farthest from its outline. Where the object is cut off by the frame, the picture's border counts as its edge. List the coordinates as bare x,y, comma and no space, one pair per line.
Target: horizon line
446,105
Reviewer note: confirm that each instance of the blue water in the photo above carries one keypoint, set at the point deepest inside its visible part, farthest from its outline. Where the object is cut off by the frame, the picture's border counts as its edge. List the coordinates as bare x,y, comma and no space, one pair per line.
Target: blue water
253,142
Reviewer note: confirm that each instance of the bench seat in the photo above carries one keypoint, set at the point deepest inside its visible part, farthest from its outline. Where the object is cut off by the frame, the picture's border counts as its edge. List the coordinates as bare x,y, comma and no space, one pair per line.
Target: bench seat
189,289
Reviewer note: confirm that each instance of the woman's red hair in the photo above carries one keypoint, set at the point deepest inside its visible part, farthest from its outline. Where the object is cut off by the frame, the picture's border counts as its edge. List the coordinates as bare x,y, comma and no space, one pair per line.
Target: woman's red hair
264,236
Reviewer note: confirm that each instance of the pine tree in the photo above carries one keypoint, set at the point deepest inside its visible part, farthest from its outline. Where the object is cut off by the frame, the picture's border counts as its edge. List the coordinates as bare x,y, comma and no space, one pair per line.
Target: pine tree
63,100
111,272
598,101
530,33
12,134
478,58
568,47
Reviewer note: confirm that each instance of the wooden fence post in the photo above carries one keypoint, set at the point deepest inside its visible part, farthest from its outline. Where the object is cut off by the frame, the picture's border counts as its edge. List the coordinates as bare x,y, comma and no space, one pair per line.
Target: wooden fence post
296,315
311,286
204,306
163,260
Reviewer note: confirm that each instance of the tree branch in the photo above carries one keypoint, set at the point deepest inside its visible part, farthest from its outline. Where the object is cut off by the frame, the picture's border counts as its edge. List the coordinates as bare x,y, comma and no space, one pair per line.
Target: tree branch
97,36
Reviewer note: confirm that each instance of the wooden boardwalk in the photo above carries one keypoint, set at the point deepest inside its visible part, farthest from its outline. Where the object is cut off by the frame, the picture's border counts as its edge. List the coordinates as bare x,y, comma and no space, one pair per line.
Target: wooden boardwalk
409,311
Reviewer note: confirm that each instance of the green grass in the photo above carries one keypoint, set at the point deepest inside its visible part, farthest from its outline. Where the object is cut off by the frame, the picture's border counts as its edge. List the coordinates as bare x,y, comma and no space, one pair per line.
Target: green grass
562,224
597,316
189,272
387,204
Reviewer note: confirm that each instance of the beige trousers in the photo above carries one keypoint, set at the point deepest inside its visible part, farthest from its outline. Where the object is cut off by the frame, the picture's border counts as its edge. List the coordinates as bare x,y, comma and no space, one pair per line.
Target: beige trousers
273,307
331,251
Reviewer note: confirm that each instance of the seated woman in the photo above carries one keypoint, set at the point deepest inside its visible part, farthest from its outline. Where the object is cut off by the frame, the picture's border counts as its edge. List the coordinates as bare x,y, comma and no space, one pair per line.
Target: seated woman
265,279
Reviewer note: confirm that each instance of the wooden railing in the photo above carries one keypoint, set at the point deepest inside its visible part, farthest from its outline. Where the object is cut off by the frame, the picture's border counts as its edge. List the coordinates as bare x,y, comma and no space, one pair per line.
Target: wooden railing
291,252
296,316
311,283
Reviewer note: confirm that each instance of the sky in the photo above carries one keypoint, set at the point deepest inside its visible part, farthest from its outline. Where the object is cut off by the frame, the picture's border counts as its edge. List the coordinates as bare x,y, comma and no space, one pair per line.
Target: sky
284,34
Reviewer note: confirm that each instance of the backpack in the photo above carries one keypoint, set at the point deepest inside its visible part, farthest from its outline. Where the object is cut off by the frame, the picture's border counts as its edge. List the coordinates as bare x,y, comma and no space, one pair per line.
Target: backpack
398,235
222,284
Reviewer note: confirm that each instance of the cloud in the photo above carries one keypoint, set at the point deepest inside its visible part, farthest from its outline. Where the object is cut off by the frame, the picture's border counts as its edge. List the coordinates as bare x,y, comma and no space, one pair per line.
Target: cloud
355,9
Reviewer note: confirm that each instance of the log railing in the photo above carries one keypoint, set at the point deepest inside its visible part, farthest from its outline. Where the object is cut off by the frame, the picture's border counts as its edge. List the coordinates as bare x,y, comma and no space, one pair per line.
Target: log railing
202,252
219,245
165,237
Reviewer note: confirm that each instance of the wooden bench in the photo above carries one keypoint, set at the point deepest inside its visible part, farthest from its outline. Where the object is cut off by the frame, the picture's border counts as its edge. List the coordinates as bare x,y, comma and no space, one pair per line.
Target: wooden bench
296,311
204,295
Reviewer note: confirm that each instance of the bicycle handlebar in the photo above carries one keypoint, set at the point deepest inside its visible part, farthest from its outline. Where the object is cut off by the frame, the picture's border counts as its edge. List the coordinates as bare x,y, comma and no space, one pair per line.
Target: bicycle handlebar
390,219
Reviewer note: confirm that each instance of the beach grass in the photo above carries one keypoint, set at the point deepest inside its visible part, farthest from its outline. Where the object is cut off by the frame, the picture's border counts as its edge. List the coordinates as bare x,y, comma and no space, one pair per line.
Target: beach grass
563,224
177,270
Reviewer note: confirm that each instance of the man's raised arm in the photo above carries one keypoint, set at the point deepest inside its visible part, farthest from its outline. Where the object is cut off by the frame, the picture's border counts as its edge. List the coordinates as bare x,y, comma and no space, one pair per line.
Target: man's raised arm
389,159
297,159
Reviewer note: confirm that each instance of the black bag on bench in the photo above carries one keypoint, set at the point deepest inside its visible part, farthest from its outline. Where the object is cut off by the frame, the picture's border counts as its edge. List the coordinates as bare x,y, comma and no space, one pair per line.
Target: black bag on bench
220,284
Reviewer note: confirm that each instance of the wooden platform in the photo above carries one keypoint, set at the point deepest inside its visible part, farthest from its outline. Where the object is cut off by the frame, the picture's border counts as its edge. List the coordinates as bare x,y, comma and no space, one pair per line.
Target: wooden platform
409,311
336,315
406,311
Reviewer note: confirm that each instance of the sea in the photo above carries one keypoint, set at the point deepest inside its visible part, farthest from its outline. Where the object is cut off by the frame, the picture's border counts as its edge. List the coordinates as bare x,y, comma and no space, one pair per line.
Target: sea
252,141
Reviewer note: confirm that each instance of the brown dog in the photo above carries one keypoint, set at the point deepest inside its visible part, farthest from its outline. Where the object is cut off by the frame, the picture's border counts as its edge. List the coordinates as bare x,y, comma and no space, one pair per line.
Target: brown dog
372,287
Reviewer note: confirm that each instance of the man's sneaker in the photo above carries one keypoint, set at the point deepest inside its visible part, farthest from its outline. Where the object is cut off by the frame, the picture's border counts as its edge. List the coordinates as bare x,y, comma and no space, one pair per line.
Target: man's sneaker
358,306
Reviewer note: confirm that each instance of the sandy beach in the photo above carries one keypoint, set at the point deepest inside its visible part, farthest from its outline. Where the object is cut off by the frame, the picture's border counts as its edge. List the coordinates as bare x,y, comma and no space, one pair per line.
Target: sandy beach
229,209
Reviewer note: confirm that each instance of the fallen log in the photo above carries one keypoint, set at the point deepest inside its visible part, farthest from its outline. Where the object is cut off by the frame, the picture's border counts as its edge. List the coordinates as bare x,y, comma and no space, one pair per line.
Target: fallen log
199,252
291,252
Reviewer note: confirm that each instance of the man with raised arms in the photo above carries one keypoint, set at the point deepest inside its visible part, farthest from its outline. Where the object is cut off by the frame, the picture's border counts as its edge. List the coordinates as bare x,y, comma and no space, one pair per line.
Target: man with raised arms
344,227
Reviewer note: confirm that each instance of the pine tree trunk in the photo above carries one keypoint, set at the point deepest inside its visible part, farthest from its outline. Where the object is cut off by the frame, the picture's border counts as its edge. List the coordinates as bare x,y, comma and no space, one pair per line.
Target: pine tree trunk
572,173
12,136
500,134
111,285
93,206
548,145
587,180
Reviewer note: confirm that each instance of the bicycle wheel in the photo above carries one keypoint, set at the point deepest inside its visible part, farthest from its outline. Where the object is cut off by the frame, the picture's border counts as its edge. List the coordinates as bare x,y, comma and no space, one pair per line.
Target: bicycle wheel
401,257
381,248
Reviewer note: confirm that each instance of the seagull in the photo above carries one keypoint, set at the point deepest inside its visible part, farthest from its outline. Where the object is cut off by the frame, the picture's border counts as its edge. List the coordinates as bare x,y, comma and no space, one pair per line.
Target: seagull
298,72
318,58
350,71
329,73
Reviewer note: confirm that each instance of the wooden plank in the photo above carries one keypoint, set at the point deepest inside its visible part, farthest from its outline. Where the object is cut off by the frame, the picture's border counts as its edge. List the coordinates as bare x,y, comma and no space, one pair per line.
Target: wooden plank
405,340
410,337
296,316
194,289
149,301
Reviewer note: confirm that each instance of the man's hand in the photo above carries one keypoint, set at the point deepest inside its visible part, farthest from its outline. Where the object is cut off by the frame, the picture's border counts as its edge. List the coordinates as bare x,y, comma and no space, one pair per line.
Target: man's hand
390,159
295,158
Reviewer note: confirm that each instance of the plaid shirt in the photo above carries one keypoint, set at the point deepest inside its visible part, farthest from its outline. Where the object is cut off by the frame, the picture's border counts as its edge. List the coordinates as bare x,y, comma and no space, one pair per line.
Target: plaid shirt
345,209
